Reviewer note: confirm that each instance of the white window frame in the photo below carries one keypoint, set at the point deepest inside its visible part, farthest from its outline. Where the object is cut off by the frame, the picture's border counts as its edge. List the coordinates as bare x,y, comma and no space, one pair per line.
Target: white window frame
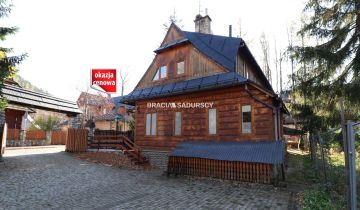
161,69
246,127
150,124
177,67
212,121
178,124
156,76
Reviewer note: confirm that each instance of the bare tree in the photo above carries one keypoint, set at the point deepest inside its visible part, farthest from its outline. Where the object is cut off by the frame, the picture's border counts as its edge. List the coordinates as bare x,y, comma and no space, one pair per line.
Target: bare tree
124,78
243,34
266,56
276,61
280,71
241,31
173,18
291,36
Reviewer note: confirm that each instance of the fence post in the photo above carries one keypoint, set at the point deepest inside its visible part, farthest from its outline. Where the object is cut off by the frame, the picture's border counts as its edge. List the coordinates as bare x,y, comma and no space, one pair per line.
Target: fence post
352,164
321,143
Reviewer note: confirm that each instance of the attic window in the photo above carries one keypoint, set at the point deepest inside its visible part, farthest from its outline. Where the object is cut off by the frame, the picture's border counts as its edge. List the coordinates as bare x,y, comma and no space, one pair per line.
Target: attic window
156,77
160,73
180,67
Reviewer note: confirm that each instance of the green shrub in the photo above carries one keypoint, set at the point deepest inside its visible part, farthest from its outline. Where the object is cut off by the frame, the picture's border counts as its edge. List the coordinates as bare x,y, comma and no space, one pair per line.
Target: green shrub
46,123
316,198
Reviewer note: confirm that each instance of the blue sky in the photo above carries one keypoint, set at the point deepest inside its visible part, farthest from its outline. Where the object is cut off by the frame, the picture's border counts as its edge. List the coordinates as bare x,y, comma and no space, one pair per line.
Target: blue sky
65,39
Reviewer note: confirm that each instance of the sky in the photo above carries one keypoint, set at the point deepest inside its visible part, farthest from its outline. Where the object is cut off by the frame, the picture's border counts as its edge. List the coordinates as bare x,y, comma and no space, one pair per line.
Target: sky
64,39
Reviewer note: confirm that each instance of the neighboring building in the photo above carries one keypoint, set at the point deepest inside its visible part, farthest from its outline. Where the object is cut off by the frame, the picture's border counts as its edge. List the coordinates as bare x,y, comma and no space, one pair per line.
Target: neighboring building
194,67
107,113
93,105
293,134
24,106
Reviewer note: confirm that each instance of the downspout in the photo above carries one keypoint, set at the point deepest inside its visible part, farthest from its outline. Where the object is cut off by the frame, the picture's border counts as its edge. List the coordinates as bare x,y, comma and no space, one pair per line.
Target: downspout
275,113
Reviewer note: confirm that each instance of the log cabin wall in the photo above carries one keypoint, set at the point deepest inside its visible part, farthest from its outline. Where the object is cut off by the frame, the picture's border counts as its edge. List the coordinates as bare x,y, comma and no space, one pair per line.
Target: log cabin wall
196,65
194,124
247,70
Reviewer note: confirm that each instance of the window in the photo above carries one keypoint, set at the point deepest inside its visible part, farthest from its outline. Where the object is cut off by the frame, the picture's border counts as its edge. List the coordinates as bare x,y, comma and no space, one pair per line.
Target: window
180,67
246,119
160,73
163,71
156,77
151,124
178,123
212,121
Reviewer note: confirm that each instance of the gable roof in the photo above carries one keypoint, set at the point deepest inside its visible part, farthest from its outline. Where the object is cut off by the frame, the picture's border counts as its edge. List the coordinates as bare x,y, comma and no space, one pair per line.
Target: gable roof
221,49
186,86
270,152
34,99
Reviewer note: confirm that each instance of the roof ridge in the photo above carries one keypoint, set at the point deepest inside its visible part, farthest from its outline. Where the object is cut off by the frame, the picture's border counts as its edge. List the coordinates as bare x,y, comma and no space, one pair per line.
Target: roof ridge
12,87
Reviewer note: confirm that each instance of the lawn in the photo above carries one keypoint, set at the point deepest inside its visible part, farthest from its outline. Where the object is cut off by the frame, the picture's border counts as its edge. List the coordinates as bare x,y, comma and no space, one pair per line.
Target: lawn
319,192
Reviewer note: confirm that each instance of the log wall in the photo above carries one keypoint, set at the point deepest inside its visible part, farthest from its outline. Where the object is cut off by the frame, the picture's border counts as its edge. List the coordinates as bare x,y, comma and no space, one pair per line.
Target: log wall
228,103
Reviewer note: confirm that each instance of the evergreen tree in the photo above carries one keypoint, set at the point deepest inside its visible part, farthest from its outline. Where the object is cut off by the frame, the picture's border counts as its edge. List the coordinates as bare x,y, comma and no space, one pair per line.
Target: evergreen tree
7,63
330,68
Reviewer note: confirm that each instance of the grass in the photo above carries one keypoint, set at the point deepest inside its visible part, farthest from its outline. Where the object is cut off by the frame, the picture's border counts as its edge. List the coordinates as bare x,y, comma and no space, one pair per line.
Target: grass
316,194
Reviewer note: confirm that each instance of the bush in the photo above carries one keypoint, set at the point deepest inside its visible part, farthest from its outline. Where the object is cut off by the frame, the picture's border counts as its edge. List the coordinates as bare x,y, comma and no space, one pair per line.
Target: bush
316,198
48,124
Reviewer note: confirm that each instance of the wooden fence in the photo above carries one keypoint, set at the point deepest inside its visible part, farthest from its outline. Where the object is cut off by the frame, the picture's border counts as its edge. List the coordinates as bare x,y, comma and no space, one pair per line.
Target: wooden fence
35,135
232,170
58,137
3,131
76,140
13,134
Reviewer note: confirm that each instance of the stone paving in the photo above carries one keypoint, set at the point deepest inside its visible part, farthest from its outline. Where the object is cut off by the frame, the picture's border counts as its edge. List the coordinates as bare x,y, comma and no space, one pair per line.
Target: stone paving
49,178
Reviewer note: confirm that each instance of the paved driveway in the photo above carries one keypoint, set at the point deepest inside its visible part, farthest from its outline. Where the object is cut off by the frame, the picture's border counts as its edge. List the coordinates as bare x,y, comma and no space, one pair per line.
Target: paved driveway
49,178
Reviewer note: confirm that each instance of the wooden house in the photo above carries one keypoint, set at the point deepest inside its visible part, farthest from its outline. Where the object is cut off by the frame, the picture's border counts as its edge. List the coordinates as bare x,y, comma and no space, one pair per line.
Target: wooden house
205,93
106,112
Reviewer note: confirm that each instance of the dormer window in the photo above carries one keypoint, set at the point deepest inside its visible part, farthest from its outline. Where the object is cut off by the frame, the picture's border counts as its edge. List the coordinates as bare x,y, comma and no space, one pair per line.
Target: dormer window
180,67
160,73
163,72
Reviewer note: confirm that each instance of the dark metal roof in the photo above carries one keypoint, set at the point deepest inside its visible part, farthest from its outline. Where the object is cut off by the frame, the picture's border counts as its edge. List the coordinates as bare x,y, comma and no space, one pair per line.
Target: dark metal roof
171,44
271,152
34,99
186,86
221,49
108,117
118,101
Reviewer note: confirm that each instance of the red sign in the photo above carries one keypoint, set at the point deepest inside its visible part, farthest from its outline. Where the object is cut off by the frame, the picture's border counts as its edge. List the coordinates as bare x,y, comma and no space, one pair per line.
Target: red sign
103,80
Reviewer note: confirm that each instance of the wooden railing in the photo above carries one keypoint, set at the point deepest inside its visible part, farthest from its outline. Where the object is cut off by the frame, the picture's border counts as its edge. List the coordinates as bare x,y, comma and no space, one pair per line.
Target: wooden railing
232,170
58,137
118,140
133,151
35,135
13,134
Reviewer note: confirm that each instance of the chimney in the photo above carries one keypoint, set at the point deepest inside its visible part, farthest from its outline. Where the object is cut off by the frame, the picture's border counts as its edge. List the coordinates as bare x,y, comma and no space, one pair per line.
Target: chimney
230,30
203,24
